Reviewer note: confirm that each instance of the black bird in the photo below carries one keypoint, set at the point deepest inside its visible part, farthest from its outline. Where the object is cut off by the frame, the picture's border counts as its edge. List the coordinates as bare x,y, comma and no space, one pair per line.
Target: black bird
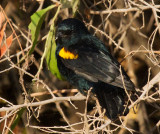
86,63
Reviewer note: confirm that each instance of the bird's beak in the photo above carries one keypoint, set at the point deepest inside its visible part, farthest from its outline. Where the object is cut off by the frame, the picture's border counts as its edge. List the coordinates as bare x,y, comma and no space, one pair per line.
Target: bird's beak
56,38
57,35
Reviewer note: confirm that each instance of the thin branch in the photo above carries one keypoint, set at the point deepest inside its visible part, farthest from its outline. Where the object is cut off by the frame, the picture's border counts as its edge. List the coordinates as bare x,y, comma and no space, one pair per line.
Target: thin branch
34,104
124,10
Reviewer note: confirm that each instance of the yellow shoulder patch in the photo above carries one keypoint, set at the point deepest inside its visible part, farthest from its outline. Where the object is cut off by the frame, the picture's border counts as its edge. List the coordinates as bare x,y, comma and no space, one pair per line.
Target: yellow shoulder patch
65,54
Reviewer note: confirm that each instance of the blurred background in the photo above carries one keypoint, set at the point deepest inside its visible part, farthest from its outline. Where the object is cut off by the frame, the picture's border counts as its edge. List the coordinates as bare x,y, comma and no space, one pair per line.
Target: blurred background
130,29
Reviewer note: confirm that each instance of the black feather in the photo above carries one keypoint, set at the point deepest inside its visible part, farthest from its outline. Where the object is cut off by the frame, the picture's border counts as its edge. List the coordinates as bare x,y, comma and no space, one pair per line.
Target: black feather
94,68
112,100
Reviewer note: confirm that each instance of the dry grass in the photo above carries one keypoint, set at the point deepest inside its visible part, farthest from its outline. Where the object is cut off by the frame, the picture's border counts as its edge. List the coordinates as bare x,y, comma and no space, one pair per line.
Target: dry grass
130,29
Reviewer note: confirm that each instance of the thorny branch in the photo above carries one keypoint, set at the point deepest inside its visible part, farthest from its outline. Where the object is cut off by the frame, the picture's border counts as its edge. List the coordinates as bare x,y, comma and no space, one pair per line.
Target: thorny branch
119,34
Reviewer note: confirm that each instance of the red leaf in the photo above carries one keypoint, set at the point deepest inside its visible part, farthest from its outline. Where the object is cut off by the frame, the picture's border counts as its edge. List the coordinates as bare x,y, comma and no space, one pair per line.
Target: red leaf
2,19
2,33
4,48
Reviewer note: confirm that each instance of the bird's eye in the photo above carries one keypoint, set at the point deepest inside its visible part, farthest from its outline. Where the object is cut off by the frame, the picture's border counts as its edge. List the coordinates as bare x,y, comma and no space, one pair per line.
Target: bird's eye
67,32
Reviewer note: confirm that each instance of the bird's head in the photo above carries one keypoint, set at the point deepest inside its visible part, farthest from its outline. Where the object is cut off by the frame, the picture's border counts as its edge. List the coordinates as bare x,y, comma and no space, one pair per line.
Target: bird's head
69,32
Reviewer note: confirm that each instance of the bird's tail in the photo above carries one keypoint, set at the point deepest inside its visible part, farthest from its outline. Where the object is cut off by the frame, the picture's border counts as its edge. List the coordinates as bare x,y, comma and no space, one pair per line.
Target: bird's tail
113,101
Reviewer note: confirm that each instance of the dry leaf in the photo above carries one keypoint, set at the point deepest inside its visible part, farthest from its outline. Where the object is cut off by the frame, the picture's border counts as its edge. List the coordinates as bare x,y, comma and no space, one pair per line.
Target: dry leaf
4,47
2,19
2,33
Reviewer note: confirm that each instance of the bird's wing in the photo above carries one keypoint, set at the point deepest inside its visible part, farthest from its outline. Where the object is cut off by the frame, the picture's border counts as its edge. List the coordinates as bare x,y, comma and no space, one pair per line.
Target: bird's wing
98,66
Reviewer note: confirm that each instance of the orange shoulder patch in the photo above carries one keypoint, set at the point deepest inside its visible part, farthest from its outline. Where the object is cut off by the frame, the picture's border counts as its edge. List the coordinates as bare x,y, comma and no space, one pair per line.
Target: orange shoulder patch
65,54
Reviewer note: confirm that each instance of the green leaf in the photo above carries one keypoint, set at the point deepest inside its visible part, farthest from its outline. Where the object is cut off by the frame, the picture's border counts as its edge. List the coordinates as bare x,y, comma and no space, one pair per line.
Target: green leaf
75,6
17,119
70,4
36,23
51,51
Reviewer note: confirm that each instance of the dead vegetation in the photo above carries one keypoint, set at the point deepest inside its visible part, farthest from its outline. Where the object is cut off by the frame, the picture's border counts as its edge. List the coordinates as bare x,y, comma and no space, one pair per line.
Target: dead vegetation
41,103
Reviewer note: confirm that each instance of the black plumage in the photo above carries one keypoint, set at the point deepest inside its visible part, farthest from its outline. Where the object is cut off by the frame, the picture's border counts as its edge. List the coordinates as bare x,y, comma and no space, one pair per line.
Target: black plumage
90,65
